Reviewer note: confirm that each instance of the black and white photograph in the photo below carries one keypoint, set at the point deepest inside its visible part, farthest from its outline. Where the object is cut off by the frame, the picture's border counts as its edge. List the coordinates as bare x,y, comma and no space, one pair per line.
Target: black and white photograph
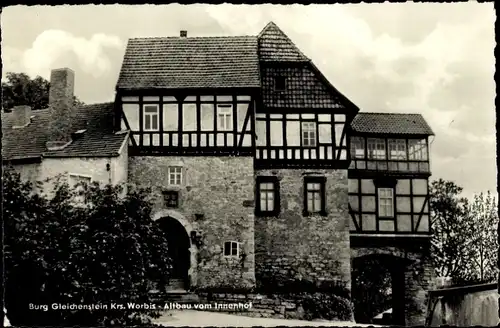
249,165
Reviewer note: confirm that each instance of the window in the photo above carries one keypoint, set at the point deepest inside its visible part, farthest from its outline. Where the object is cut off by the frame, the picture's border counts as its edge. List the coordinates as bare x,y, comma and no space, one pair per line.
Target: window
279,83
171,198
357,147
78,182
308,134
376,149
268,201
224,117
314,198
231,249
397,149
386,202
151,118
175,175
417,150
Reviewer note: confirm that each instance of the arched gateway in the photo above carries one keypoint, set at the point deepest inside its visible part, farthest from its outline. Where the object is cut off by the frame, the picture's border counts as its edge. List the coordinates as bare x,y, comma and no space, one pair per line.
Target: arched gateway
179,248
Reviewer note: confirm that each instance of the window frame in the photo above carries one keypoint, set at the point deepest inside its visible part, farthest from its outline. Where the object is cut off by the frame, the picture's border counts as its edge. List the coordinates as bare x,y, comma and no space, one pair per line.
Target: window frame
392,202
314,130
151,115
80,199
176,174
226,115
231,244
167,194
277,86
421,147
322,193
372,154
276,196
357,140
394,144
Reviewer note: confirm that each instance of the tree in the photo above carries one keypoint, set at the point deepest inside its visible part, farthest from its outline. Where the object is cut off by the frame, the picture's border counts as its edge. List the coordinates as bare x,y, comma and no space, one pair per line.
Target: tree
463,244
450,231
482,216
20,89
104,251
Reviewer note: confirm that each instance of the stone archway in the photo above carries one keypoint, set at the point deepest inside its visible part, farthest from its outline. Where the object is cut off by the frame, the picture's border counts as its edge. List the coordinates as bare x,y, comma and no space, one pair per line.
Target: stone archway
378,284
181,250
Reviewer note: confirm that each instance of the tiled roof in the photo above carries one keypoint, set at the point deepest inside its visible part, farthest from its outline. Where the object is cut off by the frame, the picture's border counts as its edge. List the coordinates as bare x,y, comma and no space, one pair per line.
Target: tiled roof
391,123
190,62
274,45
304,89
29,141
306,86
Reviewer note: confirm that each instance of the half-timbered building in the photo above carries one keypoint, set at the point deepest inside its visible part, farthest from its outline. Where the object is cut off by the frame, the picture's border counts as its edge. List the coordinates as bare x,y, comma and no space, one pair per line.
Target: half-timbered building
262,173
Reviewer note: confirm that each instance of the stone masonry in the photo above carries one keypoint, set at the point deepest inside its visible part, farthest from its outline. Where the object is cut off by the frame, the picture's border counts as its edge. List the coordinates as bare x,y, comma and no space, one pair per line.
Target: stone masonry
291,248
212,200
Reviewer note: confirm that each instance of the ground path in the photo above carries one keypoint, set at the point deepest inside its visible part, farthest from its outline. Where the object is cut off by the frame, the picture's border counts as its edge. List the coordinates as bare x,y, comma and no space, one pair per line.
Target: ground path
194,318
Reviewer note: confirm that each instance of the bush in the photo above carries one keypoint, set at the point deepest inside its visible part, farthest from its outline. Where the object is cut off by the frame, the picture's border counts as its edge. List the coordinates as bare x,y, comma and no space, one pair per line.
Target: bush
106,250
326,306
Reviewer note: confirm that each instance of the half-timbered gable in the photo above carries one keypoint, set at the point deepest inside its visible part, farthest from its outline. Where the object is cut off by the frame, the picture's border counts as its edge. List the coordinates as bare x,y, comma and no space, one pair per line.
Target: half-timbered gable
302,119
189,95
389,171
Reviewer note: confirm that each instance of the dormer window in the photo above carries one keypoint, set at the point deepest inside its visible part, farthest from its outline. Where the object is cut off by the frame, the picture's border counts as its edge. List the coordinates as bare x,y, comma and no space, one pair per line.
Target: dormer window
279,83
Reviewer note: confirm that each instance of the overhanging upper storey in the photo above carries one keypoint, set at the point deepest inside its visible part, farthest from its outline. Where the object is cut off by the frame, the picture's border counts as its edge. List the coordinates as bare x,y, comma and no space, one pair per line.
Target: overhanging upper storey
390,143
301,119
189,95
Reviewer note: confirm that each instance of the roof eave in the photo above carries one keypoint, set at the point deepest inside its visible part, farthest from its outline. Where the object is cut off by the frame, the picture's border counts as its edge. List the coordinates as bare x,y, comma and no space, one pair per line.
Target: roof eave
391,134
346,102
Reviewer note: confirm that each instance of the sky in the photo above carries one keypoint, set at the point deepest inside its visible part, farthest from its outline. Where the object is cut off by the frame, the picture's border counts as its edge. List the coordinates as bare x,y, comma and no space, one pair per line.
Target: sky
428,58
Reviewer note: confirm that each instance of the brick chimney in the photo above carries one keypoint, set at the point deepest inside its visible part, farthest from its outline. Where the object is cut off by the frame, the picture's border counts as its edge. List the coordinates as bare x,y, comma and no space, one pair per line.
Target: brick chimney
21,116
184,34
62,83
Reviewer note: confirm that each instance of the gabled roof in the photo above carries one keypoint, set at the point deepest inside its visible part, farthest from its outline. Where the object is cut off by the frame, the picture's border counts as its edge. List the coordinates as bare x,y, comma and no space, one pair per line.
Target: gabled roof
190,62
391,123
274,45
97,141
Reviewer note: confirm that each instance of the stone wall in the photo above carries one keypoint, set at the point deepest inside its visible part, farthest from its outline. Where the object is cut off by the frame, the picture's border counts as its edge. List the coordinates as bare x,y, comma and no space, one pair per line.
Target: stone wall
465,306
291,248
254,305
213,201
28,172
416,269
94,167
280,306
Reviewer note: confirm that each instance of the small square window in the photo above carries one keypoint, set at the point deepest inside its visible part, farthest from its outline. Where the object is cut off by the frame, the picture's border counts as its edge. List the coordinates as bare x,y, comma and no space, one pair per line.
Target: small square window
78,183
280,83
175,175
171,198
231,249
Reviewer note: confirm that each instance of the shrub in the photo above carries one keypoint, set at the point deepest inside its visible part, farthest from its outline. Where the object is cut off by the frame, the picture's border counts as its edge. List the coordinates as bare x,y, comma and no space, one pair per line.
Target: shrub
106,250
326,306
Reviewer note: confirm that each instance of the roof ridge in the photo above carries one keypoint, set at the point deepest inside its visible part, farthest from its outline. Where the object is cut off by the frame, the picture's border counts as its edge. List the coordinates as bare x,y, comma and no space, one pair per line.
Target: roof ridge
269,27
191,37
